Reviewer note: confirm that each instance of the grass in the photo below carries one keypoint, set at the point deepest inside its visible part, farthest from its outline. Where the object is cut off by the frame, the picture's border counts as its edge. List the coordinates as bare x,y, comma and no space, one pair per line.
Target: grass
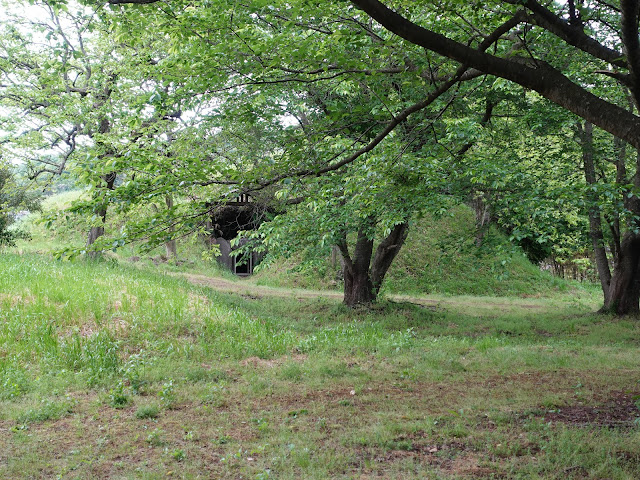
113,371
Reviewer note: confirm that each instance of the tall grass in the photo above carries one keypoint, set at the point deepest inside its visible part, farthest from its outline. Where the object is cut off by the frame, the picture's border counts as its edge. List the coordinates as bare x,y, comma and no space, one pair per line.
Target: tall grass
89,318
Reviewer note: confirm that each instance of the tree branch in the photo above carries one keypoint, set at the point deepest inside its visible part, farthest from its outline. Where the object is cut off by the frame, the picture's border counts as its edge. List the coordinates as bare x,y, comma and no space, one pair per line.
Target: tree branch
397,120
571,34
629,23
543,78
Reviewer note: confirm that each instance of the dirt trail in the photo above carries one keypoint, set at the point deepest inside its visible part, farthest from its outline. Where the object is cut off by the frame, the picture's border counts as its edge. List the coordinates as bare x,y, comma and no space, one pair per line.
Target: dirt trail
250,290
245,288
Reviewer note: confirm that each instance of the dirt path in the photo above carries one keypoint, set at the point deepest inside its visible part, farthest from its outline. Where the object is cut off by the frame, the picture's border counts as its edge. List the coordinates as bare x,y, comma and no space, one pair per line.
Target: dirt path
250,290
245,288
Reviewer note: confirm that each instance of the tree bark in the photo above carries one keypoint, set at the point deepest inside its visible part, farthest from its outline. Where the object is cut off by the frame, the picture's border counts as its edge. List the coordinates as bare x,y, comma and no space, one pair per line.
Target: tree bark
358,288
482,212
170,246
97,231
109,179
595,219
363,276
386,253
624,291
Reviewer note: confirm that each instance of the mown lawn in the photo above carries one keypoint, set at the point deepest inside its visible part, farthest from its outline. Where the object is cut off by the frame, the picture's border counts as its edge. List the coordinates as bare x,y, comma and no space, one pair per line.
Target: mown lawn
108,371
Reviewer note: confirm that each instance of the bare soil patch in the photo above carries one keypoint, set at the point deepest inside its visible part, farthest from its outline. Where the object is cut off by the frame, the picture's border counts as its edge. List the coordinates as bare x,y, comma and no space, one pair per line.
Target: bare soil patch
270,363
621,410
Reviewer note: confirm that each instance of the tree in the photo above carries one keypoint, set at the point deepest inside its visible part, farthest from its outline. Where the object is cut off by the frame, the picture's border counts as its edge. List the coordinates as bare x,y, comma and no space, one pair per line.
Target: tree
525,168
72,95
13,199
606,33
57,83
342,113
265,44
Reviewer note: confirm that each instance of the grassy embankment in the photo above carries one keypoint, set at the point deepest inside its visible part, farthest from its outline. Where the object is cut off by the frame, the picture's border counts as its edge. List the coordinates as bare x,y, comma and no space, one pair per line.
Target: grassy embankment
110,371
440,256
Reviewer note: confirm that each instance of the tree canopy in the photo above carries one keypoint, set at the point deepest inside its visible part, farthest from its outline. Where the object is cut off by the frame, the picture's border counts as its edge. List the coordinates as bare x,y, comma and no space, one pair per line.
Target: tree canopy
352,117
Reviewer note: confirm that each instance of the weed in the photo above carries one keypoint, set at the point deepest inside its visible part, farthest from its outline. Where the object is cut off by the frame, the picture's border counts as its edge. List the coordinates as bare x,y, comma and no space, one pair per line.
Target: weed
215,395
156,437
262,424
118,397
406,445
46,410
222,440
201,374
292,372
132,372
178,455
15,383
167,395
147,411
296,413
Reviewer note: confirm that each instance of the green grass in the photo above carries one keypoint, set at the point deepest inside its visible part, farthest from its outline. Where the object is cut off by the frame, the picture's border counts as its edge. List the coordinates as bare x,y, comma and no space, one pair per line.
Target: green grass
441,256
114,371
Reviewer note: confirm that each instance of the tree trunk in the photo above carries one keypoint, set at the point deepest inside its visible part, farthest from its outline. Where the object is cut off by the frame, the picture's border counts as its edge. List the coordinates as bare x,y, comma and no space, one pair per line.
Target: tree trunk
109,179
623,297
624,289
477,198
483,215
358,288
101,211
363,276
95,233
170,246
386,253
595,220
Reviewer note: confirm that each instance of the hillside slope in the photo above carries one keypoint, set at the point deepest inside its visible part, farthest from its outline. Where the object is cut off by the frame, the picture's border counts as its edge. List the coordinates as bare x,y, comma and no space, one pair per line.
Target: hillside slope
439,256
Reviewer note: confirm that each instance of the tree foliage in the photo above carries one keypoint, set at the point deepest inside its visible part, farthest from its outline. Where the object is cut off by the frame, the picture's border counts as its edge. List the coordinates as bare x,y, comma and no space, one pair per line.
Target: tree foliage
14,199
353,117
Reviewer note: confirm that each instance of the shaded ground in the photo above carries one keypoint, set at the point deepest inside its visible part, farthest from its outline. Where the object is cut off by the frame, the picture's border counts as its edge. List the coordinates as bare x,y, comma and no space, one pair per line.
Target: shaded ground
619,410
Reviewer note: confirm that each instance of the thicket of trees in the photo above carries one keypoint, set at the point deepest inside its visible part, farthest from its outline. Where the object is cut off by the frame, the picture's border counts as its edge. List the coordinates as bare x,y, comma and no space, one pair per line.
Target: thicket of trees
353,117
